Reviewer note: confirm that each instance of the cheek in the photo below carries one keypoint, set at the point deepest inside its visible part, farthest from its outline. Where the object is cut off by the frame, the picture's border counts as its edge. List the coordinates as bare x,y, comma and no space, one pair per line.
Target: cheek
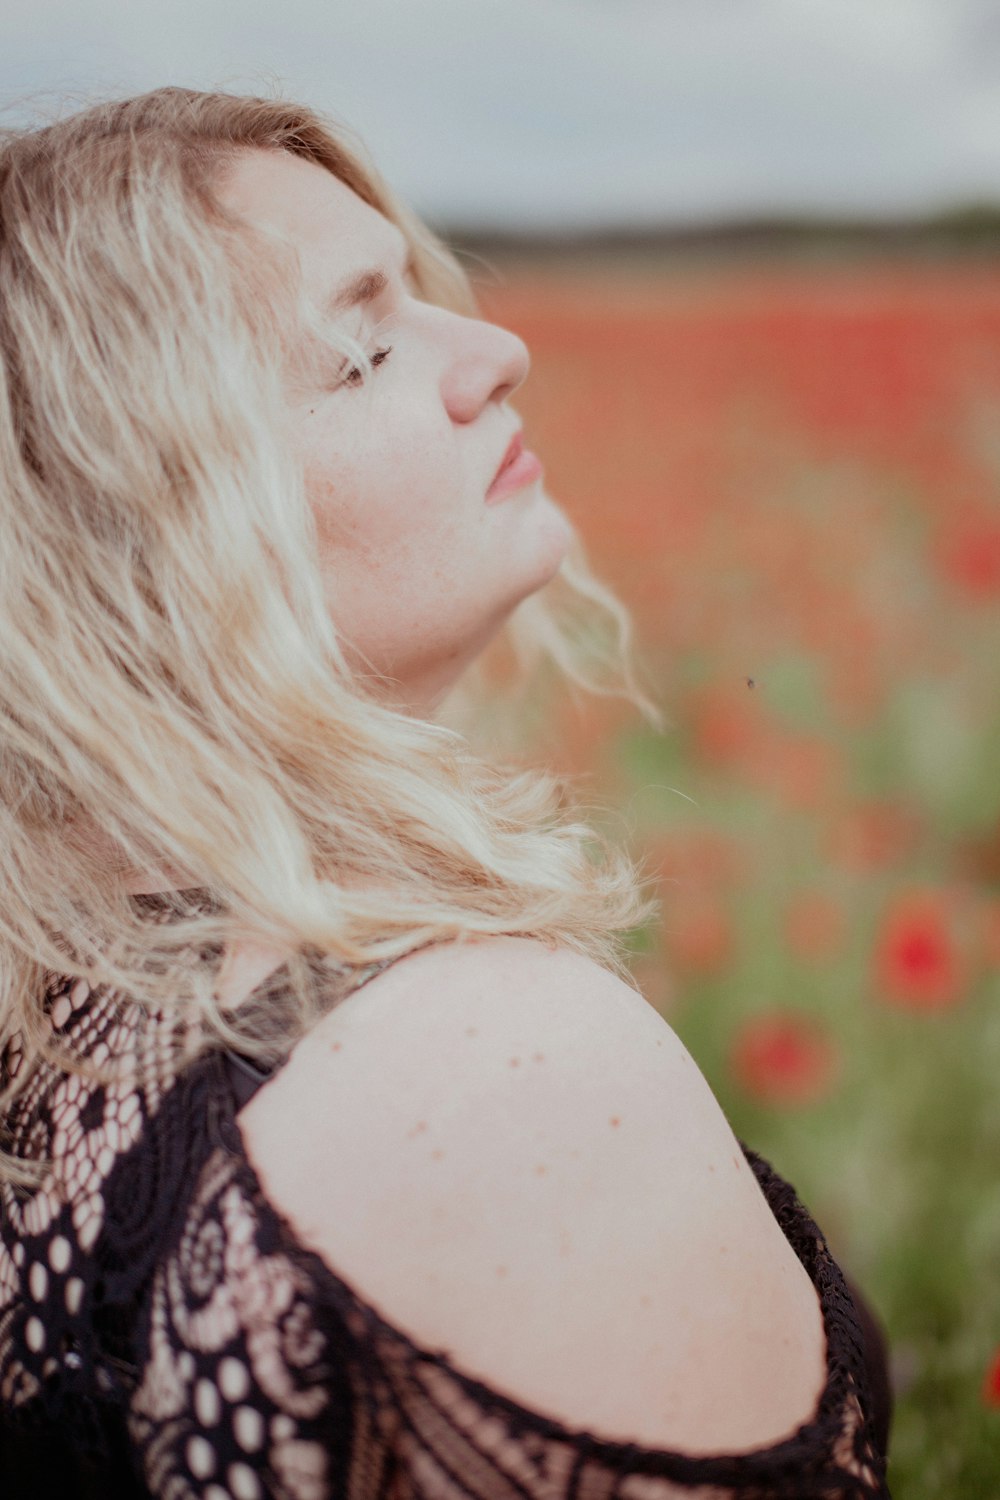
386,504
351,504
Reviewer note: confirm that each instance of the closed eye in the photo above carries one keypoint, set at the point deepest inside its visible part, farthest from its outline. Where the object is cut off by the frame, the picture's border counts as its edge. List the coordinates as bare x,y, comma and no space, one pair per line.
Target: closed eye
355,375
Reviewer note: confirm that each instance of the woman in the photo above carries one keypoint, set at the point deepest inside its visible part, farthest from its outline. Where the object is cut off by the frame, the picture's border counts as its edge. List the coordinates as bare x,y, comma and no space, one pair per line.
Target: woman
340,1155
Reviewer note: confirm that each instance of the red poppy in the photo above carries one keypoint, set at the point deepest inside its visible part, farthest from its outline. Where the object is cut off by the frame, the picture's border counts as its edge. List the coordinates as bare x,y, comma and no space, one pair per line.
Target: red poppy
697,932
918,962
701,856
991,1382
873,836
970,555
814,926
726,725
800,769
784,1059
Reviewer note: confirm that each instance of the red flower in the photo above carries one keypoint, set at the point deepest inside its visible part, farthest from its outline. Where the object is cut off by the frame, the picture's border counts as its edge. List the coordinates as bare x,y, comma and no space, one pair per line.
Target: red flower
970,555
799,768
699,856
917,959
873,836
697,931
726,724
784,1059
814,926
991,1382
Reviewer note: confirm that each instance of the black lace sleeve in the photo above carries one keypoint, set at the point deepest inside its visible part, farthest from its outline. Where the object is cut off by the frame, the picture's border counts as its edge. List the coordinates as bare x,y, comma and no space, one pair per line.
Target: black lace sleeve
161,1318
263,1372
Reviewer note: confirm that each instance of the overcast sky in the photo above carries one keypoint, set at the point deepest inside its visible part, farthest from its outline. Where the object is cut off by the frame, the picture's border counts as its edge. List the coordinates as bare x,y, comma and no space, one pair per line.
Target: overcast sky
575,112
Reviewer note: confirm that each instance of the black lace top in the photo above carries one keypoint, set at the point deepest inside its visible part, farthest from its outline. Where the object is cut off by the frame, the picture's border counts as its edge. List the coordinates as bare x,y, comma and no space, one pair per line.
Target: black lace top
163,1332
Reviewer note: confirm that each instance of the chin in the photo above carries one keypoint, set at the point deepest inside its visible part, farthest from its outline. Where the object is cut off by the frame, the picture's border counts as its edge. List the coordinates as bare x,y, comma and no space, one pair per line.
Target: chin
554,537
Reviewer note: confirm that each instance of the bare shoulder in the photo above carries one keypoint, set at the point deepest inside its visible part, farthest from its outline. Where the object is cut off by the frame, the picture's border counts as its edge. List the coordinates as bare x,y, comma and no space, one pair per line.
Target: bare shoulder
507,1150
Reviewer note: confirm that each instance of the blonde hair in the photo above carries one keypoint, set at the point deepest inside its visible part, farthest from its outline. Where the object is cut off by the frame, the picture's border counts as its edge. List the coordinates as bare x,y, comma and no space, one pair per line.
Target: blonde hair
169,672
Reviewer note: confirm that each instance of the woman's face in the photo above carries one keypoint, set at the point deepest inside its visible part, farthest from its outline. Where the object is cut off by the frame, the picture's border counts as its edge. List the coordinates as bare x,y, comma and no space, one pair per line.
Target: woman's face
422,565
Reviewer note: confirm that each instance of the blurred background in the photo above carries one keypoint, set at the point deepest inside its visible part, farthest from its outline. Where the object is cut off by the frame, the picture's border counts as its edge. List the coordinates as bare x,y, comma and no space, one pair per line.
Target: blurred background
754,246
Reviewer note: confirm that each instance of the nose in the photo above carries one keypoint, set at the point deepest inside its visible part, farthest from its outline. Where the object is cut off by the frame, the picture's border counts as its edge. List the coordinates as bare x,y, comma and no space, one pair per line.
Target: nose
487,363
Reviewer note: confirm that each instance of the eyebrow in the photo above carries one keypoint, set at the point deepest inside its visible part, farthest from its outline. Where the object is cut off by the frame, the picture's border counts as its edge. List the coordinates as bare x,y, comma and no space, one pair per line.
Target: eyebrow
365,286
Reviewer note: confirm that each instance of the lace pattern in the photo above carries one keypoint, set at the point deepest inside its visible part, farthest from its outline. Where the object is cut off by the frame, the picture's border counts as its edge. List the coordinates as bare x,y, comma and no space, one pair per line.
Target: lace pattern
148,1282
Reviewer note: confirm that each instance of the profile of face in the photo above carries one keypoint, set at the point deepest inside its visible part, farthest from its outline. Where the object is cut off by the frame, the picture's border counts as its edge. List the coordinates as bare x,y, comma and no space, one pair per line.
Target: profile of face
423,556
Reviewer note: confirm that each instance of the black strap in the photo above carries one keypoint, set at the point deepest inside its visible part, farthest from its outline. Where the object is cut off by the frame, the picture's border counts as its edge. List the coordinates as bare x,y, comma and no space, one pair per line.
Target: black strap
245,1077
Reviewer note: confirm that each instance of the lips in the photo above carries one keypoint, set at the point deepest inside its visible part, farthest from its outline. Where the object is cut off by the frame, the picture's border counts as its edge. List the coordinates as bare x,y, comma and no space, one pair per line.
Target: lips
514,451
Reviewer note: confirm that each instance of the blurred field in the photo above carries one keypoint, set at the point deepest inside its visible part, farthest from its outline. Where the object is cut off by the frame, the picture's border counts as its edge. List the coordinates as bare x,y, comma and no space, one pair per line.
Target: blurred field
792,473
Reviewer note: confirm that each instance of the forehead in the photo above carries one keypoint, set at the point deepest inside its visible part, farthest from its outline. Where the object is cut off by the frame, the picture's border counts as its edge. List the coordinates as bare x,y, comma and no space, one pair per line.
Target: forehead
335,233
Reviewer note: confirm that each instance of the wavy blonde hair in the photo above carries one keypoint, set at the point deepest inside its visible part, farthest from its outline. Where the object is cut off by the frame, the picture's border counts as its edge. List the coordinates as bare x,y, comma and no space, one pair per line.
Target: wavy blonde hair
169,672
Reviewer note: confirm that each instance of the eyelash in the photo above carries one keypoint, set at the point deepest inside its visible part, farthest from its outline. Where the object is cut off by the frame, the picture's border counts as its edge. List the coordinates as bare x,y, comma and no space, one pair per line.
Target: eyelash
355,375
